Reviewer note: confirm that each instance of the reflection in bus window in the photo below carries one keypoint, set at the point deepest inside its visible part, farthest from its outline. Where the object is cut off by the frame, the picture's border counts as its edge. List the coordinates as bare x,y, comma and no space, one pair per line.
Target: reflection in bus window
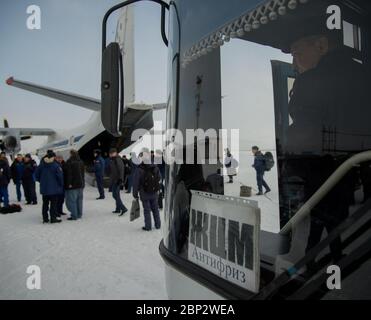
248,106
352,36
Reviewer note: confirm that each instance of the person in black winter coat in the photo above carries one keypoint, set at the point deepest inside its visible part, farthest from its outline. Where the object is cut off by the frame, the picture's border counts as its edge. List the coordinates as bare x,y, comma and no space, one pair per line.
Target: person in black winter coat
259,166
330,92
127,168
4,181
59,159
74,183
117,175
99,166
28,179
3,156
16,170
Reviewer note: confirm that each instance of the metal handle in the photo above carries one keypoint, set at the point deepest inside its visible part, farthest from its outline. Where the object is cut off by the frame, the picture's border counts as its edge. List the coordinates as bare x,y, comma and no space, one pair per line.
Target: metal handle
340,172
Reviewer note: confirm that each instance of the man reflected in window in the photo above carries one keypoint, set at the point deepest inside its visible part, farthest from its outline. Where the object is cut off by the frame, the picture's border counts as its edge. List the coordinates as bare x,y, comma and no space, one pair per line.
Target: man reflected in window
327,106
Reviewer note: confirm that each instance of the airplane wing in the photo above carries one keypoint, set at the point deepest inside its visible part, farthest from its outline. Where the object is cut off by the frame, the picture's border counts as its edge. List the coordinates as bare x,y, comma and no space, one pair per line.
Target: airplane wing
143,106
28,131
35,131
159,106
78,100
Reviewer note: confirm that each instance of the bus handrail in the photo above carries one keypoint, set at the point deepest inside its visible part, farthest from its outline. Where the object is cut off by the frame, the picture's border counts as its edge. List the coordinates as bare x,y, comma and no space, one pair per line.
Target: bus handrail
339,173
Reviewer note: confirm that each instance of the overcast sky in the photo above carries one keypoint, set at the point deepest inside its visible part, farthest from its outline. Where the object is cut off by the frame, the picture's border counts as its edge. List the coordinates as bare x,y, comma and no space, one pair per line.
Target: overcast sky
66,54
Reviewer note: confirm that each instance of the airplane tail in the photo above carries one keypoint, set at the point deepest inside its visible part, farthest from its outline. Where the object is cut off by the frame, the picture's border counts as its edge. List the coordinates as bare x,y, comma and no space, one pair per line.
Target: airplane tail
125,38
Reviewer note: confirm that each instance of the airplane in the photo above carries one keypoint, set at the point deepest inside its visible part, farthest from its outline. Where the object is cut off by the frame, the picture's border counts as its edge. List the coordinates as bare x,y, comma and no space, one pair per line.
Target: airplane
12,137
91,135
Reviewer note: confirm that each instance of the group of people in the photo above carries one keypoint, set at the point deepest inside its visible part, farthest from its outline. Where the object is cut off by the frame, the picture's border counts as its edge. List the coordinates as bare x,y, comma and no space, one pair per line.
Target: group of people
260,165
22,172
64,181
61,181
143,176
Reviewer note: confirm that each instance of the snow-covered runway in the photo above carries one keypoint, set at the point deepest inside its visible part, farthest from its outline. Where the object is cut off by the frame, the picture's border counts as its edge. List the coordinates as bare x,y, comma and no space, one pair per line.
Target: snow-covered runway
102,256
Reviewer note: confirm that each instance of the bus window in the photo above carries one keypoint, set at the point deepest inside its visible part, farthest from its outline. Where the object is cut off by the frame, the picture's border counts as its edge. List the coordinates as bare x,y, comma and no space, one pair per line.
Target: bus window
248,108
305,120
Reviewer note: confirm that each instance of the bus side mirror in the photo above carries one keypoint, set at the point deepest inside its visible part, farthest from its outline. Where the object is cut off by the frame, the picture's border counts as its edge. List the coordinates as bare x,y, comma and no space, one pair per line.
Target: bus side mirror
112,89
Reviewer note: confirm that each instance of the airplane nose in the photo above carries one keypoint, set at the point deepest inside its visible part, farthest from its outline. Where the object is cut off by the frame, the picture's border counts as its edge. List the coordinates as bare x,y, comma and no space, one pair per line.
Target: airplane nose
10,81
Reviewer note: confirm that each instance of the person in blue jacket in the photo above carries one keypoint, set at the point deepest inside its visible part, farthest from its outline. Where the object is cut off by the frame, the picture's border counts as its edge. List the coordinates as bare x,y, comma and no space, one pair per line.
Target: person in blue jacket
4,180
99,168
17,169
259,166
50,175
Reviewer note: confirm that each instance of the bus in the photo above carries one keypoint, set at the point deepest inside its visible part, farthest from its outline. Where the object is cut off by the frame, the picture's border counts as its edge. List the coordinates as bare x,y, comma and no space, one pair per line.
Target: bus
282,82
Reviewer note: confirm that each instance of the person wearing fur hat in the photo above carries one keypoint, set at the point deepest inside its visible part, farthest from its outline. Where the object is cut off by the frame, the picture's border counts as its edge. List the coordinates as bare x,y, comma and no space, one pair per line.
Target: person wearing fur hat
50,175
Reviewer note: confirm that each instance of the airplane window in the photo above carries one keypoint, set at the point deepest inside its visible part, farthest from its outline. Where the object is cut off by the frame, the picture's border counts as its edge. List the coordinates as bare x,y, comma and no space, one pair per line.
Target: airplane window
77,139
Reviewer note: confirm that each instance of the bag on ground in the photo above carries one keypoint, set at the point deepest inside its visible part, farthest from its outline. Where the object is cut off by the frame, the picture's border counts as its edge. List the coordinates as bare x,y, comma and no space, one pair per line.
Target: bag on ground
245,191
135,210
160,200
11,209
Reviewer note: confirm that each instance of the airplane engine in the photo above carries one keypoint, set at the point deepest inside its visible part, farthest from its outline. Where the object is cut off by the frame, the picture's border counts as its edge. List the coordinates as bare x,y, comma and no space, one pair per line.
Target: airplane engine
11,143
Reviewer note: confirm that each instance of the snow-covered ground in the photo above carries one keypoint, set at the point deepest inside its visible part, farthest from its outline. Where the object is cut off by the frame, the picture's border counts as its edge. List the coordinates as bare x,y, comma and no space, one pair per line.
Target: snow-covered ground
269,205
102,256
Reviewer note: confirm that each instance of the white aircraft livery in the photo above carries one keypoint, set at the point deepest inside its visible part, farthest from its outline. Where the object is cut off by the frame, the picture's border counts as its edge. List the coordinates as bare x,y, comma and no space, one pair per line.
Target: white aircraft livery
92,134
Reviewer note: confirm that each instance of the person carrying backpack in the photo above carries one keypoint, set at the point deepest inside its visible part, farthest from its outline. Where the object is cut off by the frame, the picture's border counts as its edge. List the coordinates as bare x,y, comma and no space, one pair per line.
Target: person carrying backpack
147,180
260,168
